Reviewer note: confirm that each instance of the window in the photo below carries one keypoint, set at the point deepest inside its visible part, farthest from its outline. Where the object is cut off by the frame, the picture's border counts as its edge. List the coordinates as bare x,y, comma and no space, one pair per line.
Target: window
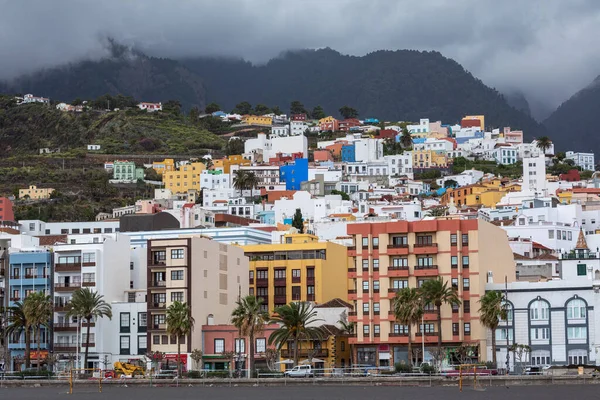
399,329
261,345
376,329
142,344
89,277
240,345
177,254
365,265
453,239
124,318
454,261
581,270
539,311
156,339
365,242
296,292
177,275
399,262
376,263
551,233
466,306
467,328
158,319
501,335
455,283
124,346
219,346
576,309
366,329
376,286
399,284
375,242
177,296
465,261
578,332
455,328
142,322
164,339
466,283
366,307
465,239
376,308
89,257
296,273
427,328
365,285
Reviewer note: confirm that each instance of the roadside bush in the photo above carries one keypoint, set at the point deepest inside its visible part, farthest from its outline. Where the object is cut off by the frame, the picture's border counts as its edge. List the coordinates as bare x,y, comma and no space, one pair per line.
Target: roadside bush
194,374
217,374
402,368
427,368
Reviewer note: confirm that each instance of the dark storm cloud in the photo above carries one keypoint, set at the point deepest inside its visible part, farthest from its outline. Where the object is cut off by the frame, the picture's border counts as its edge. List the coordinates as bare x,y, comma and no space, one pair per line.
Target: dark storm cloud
543,47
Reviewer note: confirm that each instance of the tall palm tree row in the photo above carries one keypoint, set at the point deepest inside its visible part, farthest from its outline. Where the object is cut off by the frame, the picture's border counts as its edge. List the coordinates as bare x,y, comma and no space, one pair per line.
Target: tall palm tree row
437,292
38,311
19,324
250,320
89,305
180,323
408,310
493,308
295,320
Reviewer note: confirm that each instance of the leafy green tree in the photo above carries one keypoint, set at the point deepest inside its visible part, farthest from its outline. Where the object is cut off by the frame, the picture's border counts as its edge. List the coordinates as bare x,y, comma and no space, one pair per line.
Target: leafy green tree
276,110
492,309
243,108
450,183
172,106
89,305
180,323
194,114
437,292
295,320
297,108
408,310
38,311
543,143
261,109
317,113
348,112
250,320
297,221
344,195
18,324
234,146
211,108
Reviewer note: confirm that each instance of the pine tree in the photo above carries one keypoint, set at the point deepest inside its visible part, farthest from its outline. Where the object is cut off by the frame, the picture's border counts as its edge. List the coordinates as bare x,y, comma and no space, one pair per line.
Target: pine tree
297,221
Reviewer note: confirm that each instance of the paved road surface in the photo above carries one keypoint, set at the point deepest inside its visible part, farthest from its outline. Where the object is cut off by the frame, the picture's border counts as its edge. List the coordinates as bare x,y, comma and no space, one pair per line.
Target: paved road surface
559,392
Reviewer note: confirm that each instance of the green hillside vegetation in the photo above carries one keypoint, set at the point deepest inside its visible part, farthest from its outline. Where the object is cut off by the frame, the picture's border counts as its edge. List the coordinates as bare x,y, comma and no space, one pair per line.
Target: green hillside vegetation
26,128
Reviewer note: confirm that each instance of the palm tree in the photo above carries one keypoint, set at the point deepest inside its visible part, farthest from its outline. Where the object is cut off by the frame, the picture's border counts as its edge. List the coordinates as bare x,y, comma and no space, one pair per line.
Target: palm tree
437,292
406,139
180,323
347,328
251,181
17,324
408,310
250,320
240,179
295,320
544,143
437,211
38,311
492,309
88,304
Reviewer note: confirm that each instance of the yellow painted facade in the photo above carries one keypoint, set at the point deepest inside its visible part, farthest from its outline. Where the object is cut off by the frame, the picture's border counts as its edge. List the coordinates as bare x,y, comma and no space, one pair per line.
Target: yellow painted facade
224,164
185,178
429,159
167,165
487,194
258,120
35,193
480,118
299,269
333,349
565,196
326,120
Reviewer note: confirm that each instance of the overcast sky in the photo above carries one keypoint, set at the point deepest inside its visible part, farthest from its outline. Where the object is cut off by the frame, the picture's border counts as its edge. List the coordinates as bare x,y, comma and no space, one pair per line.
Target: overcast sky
547,48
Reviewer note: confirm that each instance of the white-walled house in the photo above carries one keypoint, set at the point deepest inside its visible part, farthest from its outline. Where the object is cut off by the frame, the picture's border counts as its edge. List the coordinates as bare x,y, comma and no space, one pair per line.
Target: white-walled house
583,160
400,164
273,145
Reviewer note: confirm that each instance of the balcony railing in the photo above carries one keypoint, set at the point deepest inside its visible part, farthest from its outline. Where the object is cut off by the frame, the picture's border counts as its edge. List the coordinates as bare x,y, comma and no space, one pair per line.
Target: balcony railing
66,267
427,244
310,280
159,327
262,282
88,283
280,299
427,333
316,353
295,279
65,348
70,326
420,267
159,305
310,297
59,307
65,287
280,282
398,268
398,246
580,256
398,334
159,283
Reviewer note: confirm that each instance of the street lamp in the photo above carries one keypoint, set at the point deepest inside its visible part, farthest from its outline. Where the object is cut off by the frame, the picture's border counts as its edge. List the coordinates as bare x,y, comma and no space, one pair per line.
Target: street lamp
507,331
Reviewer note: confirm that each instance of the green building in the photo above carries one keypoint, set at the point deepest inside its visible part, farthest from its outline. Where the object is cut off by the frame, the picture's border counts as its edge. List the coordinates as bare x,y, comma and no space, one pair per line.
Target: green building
127,171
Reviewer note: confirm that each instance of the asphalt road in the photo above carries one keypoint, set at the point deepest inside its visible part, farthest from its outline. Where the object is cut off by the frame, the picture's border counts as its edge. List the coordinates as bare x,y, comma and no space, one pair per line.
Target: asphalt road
306,393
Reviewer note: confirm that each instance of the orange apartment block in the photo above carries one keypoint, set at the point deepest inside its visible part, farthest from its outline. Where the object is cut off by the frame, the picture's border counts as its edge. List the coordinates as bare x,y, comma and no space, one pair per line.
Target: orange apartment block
388,256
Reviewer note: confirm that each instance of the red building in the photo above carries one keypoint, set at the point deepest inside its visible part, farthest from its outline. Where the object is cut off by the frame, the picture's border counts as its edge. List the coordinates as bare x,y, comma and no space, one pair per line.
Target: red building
322,155
346,124
470,123
387,134
6,210
298,117
571,176
220,339
281,159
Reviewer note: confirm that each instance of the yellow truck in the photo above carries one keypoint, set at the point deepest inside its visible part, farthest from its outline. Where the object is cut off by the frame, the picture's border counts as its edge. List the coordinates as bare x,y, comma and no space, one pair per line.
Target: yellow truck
129,370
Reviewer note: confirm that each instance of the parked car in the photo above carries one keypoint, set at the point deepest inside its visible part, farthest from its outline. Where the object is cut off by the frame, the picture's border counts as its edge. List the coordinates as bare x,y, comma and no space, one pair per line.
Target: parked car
536,370
300,371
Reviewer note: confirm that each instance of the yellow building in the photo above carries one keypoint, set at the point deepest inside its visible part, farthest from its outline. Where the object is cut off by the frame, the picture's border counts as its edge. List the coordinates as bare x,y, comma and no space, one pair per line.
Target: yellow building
481,118
333,349
565,196
167,165
35,193
224,164
429,159
185,178
258,120
299,269
487,194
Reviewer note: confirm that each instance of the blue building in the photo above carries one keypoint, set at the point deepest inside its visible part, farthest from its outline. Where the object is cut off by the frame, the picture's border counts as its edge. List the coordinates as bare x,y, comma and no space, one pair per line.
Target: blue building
294,174
349,153
371,121
28,272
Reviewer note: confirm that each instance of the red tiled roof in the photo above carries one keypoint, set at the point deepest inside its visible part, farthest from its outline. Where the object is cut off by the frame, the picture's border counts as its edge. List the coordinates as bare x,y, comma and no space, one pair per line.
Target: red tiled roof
334,303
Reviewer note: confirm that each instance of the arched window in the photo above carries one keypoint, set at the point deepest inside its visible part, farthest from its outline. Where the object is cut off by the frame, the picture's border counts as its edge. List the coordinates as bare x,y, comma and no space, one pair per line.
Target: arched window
539,311
576,309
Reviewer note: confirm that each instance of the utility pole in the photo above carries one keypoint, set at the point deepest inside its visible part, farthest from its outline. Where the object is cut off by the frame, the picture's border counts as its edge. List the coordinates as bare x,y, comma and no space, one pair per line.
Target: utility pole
507,331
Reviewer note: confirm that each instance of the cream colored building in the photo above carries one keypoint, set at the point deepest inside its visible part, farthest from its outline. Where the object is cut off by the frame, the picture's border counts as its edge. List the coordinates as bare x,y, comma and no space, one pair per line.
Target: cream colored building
206,274
35,193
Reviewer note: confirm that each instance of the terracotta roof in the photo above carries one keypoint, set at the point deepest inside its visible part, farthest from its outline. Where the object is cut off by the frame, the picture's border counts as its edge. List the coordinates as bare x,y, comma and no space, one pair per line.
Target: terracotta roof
581,243
586,190
537,245
335,303
330,330
539,257
49,240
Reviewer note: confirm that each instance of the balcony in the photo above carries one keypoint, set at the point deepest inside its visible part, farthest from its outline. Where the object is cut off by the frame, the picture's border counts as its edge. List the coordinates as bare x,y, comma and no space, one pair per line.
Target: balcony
280,282
262,283
399,334
281,299
91,344
88,283
296,279
310,297
426,270
156,263
398,271
157,306
65,348
304,353
159,327
425,248
310,280
397,249
66,287
88,264
158,284
352,294
67,267
62,307
70,327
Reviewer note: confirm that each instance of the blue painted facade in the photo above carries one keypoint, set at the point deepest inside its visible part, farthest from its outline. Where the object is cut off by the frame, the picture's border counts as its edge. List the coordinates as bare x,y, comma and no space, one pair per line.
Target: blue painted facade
294,174
349,153
28,272
371,121
266,217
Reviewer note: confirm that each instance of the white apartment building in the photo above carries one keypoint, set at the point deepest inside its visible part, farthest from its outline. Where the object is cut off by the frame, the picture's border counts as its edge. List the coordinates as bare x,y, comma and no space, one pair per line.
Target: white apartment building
437,145
423,126
273,145
534,175
219,196
280,131
583,160
297,128
400,164
467,177
212,180
37,227
267,175
102,264
368,150
505,155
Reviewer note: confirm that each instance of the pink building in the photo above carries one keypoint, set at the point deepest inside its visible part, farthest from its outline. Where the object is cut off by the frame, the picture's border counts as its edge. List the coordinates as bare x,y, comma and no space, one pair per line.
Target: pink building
513,137
150,106
220,339
322,156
